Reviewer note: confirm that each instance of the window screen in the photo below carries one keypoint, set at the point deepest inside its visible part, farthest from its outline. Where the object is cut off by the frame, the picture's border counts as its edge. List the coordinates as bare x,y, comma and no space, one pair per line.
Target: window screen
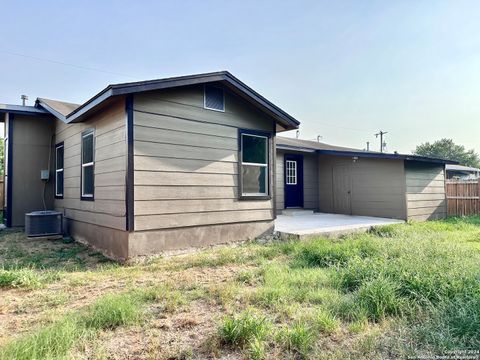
214,98
88,175
59,158
254,163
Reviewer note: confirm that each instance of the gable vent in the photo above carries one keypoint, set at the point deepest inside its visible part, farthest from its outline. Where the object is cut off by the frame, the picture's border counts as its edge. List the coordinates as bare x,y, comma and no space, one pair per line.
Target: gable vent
214,98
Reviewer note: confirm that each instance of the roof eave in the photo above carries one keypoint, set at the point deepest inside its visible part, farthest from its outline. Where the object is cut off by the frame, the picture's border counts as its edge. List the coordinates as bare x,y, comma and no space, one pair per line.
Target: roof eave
295,148
286,120
22,110
77,114
365,154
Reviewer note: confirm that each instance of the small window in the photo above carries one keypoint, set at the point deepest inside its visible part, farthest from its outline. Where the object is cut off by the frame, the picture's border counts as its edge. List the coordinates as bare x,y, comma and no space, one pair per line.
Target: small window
291,167
254,165
214,98
88,163
59,158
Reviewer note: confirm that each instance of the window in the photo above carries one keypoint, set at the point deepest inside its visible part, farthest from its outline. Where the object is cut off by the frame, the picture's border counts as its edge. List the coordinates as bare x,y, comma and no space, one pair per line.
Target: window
59,155
291,172
214,98
254,165
88,162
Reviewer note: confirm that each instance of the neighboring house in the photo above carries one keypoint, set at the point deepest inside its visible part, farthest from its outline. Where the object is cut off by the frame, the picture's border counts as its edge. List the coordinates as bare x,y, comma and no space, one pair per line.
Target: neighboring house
460,172
342,180
190,161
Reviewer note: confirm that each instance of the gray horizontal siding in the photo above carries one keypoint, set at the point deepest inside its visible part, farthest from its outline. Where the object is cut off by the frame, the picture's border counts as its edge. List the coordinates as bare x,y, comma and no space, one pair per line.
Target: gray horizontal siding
186,161
377,186
425,184
280,181
108,208
310,180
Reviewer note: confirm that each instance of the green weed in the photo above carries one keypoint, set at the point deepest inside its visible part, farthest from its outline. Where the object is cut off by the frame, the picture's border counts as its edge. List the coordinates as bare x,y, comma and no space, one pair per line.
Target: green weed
297,339
238,330
26,278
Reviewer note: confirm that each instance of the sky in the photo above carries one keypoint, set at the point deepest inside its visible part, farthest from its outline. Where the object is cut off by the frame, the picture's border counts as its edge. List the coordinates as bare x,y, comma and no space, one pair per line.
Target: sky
344,69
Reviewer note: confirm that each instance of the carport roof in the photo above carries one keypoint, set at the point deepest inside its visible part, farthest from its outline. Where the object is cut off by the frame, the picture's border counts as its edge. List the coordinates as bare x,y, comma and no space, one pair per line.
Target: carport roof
284,143
22,110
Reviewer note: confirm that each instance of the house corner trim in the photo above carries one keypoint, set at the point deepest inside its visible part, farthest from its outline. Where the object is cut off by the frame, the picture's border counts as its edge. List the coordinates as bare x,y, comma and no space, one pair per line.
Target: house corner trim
129,182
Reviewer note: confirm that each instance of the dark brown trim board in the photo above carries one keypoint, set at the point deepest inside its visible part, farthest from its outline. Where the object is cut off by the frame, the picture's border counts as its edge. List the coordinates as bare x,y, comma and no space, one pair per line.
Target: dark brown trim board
129,174
273,157
82,197
270,167
60,144
9,209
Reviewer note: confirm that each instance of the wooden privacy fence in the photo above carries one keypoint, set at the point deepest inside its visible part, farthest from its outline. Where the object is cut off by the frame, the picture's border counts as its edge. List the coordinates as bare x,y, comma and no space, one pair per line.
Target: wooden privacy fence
463,197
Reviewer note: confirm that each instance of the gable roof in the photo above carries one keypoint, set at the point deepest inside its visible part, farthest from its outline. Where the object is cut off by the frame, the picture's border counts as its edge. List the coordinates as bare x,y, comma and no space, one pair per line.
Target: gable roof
73,113
56,107
284,143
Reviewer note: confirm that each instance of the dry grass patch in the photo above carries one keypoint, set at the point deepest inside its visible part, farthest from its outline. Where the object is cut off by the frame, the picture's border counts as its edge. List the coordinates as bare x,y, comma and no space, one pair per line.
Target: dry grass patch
404,290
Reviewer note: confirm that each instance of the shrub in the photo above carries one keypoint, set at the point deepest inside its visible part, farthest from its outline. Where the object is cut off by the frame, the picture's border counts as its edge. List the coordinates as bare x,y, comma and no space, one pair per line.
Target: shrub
239,330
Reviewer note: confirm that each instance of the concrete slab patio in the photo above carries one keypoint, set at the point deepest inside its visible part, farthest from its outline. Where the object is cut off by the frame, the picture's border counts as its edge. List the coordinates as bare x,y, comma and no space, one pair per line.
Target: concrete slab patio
331,225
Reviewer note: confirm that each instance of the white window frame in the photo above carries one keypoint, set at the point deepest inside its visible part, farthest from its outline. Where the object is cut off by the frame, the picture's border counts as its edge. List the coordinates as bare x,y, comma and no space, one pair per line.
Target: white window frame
205,98
291,172
266,193
57,171
90,164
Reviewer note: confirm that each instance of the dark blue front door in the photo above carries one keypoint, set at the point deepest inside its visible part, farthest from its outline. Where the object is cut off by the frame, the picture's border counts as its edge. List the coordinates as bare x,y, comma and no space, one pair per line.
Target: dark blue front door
293,169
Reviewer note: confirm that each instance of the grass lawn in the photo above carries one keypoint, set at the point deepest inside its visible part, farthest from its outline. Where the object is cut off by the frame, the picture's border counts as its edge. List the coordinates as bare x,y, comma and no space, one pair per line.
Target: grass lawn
398,291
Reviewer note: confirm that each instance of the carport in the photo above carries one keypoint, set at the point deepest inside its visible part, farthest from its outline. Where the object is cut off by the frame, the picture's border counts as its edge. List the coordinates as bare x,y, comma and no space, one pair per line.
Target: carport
336,180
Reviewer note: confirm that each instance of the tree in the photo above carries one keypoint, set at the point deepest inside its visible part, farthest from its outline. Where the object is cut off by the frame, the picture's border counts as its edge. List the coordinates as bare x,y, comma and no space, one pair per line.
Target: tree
447,149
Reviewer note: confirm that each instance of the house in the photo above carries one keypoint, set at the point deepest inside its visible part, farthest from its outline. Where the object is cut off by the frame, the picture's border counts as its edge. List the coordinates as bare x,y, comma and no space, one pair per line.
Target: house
334,179
461,172
189,161
149,166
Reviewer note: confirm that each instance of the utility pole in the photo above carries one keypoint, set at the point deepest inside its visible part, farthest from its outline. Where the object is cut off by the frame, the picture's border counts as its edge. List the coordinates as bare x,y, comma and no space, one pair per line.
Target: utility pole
24,99
381,133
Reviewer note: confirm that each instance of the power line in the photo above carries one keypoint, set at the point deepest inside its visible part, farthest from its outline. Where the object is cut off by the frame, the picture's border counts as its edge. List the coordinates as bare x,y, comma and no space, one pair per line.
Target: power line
67,64
382,144
87,68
